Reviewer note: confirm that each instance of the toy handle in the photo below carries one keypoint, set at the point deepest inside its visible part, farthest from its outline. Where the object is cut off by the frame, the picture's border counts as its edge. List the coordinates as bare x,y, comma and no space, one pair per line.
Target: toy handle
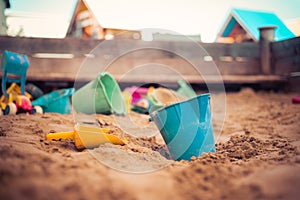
60,136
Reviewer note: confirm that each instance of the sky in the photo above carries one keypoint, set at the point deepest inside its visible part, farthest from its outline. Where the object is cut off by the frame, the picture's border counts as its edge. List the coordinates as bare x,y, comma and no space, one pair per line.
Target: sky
50,18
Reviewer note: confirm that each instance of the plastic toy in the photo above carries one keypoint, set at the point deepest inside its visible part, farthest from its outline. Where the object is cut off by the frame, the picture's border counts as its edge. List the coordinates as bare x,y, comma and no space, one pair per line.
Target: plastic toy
87,137
137,93
33,90
296,100
102,95
57,101
161,97
15,99
185,89
14,67
127,98
17,103
186,127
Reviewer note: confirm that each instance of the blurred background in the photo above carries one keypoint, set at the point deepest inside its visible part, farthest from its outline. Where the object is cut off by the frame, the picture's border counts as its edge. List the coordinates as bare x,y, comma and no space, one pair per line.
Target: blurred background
34,18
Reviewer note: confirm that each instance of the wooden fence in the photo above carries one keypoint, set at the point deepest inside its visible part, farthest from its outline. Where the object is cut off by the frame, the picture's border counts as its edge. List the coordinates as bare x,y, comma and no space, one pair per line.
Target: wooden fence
72,59
286,56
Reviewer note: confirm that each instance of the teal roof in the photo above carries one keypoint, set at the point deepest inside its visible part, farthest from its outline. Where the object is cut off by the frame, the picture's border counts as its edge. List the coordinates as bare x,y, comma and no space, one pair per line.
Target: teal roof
252,20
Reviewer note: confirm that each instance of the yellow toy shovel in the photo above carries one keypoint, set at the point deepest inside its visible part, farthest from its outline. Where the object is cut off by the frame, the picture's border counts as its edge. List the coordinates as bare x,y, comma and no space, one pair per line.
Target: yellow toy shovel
87,137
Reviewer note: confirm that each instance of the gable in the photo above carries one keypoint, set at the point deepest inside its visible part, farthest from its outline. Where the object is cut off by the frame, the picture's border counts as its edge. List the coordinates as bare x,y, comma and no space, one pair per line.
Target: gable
251,21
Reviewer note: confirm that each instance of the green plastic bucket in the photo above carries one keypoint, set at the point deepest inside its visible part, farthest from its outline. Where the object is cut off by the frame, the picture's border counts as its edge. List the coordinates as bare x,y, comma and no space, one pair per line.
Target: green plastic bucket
185,90
102,95
57,101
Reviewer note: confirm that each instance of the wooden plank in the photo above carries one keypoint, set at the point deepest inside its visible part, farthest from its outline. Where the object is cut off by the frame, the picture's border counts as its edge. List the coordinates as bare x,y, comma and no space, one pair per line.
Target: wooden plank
285,66
159,59
124,65
79,47
182,66
286,48
286,56
226,79
42,65
168,66
239,68
30,46
248,50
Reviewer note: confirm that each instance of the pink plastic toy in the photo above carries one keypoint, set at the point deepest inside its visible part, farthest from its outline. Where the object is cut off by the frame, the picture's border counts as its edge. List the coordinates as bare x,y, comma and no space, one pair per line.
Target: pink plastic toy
296,99
137,93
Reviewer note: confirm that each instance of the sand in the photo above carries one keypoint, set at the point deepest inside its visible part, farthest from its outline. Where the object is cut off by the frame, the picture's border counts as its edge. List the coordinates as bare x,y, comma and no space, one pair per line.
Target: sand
257,157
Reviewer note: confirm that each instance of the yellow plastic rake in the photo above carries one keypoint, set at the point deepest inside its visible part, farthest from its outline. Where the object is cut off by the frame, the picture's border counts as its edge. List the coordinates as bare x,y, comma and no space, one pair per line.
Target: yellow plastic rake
87,137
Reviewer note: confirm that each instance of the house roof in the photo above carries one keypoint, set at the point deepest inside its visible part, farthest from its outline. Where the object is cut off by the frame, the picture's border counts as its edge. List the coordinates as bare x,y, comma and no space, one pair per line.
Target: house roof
251,20
81,5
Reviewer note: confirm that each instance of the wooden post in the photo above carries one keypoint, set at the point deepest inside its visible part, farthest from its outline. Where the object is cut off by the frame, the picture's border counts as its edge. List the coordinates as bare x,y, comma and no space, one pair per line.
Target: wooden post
266,36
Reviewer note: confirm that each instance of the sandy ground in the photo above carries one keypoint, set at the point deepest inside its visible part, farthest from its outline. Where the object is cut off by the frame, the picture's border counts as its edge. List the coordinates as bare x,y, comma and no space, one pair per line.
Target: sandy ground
257,157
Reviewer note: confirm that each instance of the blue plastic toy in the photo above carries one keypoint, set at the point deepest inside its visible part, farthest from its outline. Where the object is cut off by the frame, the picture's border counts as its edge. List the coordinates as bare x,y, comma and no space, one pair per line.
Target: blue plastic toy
14,67
57,101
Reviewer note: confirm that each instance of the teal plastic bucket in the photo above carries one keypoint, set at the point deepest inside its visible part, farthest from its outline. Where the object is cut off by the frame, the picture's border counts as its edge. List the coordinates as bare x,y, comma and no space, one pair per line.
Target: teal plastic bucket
102,95
57,101
186,127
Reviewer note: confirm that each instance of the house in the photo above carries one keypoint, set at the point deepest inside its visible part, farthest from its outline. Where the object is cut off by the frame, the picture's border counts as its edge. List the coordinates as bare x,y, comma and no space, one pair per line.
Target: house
243,25
3,5
84,24
77,21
